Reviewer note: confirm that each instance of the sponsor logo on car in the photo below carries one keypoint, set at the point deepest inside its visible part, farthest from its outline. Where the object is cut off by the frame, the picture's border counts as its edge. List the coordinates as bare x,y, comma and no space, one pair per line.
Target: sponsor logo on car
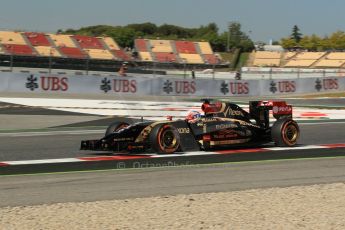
282,109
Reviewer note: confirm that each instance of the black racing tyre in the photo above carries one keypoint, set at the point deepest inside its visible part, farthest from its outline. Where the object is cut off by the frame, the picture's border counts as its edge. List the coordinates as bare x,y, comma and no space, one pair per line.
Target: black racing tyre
164,138
285,132
115,126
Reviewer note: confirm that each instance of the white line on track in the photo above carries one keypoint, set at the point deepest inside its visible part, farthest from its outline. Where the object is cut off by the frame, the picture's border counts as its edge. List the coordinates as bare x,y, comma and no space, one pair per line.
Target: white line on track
51,133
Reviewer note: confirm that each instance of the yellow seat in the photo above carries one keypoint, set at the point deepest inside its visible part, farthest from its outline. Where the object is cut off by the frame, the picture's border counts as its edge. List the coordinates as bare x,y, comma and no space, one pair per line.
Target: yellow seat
145,56
289,55
330,63
267,62
336,55
111,43
205,48
309,55
62,40
47,51
161,46
192,58
99,54
10,37
267,54
299,63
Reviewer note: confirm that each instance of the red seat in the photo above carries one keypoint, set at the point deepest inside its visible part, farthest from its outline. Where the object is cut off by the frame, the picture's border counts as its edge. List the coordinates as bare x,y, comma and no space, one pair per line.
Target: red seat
186,47
87,42
211,59
72,52
121,55
15,49
165,57
37,39
140,45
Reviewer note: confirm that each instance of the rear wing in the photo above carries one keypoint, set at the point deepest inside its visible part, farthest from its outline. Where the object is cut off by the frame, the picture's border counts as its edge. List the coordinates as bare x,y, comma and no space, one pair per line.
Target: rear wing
259,110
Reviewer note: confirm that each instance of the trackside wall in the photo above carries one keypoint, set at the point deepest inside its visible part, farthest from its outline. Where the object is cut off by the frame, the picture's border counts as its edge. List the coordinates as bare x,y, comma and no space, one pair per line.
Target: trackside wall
163,85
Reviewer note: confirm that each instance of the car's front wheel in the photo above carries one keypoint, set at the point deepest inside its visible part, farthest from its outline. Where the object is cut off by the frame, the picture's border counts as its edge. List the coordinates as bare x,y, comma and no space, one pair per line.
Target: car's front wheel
164,138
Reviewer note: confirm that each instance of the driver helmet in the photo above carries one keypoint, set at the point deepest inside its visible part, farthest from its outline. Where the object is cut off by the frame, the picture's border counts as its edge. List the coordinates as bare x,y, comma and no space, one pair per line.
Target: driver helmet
193,115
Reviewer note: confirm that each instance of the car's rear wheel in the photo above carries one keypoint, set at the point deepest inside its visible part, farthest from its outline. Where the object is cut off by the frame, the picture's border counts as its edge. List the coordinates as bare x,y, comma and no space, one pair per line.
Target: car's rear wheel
116,126
285,132
164,138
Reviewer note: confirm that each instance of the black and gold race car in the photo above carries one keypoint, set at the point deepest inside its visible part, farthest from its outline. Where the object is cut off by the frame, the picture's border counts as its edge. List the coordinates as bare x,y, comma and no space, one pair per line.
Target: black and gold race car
222,124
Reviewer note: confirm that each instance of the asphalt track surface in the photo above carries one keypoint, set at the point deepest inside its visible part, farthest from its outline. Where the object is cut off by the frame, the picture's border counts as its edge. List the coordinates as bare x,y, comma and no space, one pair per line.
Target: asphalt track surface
303,167
134,183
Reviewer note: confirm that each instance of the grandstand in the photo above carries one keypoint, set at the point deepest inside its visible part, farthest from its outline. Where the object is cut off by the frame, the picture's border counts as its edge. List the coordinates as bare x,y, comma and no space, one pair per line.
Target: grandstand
302,59
42,50
180,52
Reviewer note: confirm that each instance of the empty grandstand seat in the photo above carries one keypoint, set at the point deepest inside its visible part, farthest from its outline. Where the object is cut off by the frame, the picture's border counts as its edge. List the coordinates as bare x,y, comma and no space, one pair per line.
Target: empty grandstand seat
145,56
87,42
112,45
165,57
10,37
211,59
62,40
120,54
72,52
205,48
99,54
309,55
336,56
185,47
16,49
267,62
267,54
299,63
47,51
192,58
161,46
141,45
37,39
289,55
330,63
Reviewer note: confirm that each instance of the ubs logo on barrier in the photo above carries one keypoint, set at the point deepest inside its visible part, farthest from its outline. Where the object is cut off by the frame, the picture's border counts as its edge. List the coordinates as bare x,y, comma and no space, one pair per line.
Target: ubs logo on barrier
105,86
31,82
47,83
283,86
234,88
118,85
326,84
179,87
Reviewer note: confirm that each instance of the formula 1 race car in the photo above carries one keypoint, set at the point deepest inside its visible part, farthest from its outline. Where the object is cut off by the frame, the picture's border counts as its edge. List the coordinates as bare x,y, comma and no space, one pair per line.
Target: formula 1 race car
223,124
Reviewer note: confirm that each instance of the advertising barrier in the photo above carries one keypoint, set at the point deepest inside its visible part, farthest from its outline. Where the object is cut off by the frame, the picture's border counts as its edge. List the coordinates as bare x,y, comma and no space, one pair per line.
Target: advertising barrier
164,85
